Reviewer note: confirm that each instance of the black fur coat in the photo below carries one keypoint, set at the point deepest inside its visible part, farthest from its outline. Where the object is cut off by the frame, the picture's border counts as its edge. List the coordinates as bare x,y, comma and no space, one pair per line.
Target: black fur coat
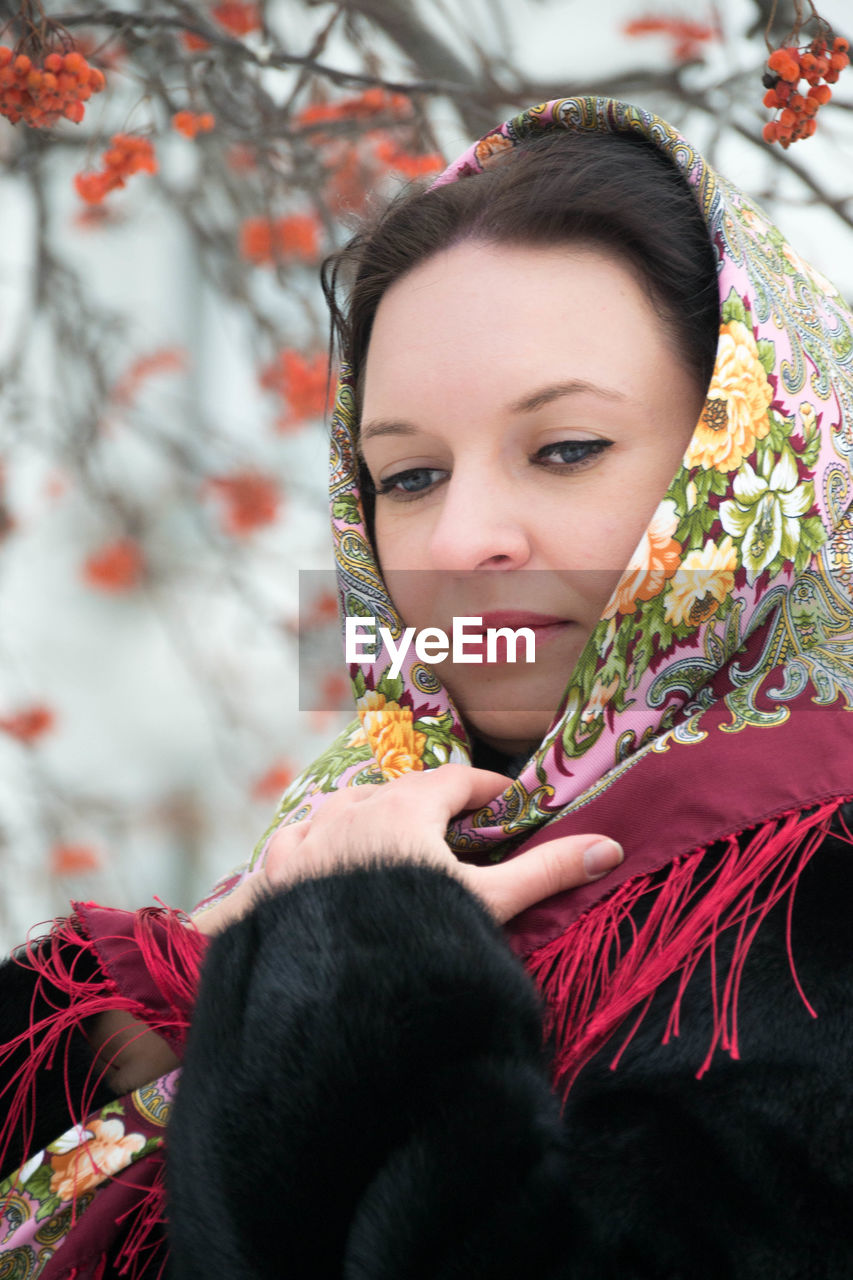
365,1097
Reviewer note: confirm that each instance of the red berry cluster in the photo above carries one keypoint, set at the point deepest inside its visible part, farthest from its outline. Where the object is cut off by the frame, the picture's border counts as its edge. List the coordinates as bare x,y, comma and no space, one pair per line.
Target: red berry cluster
125,155
190,123
817,64
40,95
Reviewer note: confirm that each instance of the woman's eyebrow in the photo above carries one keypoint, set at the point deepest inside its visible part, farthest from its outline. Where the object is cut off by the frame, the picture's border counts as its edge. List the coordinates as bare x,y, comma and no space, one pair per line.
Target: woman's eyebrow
380,427
386,427
575,386
527,404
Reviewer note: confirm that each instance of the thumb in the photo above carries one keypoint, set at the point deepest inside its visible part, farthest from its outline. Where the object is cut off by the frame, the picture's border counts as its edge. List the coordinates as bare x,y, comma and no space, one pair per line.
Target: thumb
552,867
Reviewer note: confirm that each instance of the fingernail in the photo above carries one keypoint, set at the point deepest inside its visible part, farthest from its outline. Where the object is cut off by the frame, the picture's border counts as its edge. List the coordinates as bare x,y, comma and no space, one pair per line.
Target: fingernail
602,857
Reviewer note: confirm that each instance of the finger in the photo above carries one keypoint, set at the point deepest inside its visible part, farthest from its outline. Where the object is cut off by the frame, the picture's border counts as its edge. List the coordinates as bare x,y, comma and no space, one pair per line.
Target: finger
346,797
451,788
419,804
281,848
553,867
483,785
422,804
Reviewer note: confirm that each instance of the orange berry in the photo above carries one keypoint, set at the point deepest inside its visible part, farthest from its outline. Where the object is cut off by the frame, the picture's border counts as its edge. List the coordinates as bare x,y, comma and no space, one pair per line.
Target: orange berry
23,66
5,55
192,42
788,118
75,62
73,859
812,106
839,61
840,45
119,566
771,132
822,93
796,102
53,62
74,112
48,82
771,99
90,187
206,121
183,122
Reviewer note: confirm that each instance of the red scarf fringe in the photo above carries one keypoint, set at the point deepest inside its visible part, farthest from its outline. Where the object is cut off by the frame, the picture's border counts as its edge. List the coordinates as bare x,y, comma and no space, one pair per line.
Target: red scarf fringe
593,980
171,954
144,1244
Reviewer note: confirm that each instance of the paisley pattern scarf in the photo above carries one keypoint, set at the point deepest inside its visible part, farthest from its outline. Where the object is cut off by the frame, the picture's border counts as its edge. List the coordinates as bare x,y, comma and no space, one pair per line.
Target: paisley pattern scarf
711,705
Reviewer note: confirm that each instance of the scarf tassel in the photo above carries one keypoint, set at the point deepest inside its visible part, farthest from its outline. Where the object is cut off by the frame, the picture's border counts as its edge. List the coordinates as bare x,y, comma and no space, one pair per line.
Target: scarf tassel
605,968
144,1245
170,955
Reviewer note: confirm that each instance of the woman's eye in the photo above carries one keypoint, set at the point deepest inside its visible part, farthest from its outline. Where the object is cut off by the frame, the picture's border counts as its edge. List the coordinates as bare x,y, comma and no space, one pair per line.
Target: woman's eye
572,453
409,484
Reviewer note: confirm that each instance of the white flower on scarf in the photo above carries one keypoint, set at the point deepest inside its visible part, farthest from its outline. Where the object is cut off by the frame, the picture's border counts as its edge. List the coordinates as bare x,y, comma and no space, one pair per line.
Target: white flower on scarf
764,514
27,1170
702,583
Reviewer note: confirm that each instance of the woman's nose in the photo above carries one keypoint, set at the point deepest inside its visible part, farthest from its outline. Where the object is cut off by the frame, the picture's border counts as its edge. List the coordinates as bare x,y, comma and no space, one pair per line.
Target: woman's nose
480,525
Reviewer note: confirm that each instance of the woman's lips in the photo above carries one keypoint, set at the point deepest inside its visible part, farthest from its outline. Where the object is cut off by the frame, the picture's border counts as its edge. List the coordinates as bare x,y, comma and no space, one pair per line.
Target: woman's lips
545,627
516,618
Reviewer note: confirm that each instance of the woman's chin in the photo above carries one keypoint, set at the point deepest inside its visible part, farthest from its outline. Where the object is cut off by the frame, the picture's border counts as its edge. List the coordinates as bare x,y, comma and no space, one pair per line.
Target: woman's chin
508,709
509,732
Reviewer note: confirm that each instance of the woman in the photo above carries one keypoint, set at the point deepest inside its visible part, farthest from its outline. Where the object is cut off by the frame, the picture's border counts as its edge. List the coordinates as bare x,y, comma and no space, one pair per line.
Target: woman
364,1091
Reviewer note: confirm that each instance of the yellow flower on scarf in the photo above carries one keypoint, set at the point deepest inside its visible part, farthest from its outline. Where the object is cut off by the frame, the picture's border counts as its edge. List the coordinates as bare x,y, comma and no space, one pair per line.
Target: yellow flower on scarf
734,416
491,148
396,744
702,583
655,560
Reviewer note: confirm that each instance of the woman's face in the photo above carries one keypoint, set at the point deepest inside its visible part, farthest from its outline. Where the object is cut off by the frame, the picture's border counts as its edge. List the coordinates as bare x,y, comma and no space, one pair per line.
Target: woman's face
524,412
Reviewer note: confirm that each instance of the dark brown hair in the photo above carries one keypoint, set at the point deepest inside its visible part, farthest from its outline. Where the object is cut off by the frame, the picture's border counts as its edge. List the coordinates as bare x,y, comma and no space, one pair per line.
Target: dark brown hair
615,191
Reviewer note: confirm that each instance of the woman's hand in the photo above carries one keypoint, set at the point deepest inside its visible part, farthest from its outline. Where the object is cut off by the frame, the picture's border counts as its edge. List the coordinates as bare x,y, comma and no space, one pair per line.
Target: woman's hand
405,820
128,1051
